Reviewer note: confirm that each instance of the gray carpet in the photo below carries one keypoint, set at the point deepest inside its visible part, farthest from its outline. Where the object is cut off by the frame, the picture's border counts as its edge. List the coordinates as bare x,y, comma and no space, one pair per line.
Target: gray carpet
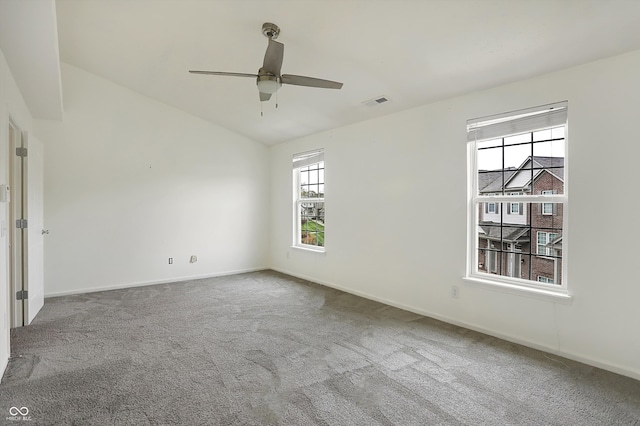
265,348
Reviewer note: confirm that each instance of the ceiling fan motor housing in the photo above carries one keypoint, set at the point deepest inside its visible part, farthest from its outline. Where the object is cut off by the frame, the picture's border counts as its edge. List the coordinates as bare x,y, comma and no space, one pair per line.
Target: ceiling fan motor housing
270,30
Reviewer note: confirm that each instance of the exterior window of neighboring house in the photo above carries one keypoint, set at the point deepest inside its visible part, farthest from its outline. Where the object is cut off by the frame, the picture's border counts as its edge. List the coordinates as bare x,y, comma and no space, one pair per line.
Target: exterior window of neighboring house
517,161
544,240
547,208
308,188
492,260
514,208
492,208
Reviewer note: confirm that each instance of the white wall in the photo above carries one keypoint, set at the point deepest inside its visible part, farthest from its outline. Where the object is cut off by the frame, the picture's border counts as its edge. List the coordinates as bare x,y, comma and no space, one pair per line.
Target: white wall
130,182
396,214
12,106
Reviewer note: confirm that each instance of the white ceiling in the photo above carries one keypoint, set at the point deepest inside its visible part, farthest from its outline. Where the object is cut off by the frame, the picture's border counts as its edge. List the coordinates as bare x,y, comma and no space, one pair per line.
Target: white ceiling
29,41
413,52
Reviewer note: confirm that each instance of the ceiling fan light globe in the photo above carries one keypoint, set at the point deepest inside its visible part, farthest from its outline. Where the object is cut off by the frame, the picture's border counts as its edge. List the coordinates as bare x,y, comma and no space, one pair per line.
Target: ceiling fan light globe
268,86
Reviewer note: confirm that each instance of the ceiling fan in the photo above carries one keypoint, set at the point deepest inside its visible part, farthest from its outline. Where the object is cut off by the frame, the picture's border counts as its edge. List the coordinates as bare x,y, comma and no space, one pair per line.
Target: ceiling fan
269,78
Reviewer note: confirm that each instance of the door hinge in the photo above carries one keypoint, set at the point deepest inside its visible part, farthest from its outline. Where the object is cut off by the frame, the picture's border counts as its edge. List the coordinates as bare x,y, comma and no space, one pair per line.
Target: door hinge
21,152
22,295
21,223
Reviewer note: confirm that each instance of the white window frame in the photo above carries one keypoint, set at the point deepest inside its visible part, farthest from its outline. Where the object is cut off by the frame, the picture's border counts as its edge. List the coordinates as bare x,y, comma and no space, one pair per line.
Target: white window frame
524,121
300,161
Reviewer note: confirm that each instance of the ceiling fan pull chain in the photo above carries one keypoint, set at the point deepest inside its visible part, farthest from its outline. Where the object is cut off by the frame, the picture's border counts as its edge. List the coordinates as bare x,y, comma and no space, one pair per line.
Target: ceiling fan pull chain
276,100
261,110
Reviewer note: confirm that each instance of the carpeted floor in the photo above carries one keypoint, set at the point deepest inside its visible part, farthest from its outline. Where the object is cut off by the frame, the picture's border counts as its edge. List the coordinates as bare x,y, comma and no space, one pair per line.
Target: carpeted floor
264,348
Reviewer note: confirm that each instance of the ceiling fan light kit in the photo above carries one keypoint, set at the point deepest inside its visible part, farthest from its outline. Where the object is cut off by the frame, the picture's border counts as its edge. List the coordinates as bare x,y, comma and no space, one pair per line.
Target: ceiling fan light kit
269,79
268,84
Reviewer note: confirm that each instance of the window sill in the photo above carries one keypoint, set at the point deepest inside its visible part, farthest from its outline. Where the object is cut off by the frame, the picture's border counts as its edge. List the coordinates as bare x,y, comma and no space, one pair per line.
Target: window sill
536,293
309,248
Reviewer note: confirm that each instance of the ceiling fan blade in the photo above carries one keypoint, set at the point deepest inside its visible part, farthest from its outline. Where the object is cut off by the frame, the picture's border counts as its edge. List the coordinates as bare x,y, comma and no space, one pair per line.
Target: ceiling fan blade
232,74
300,80
264,96
273,57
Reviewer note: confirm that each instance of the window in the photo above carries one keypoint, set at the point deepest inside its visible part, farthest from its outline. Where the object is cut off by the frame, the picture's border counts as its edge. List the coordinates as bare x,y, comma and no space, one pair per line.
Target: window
545,240
492,208
517,160
308,181
514,208
492,262
547,208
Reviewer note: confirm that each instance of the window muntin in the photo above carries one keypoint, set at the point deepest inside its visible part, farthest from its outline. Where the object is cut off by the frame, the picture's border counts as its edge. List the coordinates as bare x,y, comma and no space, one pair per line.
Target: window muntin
523,172
309,188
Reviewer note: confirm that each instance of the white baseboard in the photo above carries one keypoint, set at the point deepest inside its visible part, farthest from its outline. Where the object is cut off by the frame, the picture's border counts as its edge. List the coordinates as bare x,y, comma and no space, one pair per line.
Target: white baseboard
514,339
146,283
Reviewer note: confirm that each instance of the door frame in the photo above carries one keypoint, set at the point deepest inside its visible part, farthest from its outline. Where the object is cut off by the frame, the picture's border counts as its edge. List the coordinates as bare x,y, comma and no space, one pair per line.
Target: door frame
16,236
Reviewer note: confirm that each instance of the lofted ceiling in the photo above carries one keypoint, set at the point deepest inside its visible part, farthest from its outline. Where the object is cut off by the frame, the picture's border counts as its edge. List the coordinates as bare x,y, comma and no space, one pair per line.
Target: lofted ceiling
412,52
29,42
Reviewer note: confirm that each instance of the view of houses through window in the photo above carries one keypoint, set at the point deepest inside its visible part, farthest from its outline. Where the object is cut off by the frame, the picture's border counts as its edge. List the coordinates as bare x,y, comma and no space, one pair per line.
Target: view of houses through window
521,239
518,196
309,183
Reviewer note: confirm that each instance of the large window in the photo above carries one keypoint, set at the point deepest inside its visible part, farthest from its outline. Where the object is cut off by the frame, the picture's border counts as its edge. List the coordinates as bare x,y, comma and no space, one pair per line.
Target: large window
517,161
308,182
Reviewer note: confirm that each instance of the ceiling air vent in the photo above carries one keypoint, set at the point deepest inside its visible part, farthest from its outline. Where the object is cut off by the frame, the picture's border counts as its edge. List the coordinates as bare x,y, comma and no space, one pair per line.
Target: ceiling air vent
376,101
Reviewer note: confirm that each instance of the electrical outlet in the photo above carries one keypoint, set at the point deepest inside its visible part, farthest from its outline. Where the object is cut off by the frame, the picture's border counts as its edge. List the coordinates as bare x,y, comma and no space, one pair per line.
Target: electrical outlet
193,259
455,292
171,261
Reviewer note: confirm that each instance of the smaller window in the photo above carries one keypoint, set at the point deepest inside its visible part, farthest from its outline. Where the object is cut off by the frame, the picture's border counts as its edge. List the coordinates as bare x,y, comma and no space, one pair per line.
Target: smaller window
546,280
491,207
492,259
514,208
547,208
544,239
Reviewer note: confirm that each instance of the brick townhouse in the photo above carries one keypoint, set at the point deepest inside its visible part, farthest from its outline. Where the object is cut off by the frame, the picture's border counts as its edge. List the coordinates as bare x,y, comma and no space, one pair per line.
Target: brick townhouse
522,240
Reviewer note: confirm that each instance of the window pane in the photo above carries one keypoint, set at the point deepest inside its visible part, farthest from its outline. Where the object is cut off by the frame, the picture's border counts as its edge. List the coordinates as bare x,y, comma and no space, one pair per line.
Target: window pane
490,159
558,132
312,223
489,143
522,138
313,176
515,156
542,135
312,181
505,246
